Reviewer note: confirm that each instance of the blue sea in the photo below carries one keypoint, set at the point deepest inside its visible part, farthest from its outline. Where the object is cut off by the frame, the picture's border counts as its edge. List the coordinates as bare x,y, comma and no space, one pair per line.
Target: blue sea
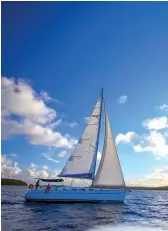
142,211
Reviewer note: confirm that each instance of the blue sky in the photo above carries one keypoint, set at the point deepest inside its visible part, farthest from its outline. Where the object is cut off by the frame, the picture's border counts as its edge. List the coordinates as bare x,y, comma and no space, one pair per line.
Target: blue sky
72,49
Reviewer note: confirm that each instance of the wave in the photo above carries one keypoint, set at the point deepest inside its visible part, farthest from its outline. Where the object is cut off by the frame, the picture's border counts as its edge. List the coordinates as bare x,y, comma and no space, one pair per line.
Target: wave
127,228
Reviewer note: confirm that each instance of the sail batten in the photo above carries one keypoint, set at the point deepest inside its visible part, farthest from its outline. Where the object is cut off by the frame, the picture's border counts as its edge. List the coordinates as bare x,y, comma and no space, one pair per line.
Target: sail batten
81,162
109,173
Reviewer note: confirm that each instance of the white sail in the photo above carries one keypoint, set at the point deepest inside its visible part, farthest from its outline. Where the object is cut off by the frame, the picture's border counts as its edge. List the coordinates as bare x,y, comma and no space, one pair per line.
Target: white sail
82,162
109,172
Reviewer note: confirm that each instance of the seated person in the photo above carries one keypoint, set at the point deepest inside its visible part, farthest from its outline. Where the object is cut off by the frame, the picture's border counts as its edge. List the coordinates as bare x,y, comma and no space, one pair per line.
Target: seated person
37,184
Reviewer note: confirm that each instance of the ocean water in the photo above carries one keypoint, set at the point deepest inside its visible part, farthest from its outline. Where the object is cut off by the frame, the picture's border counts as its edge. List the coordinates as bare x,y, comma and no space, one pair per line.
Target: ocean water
142,211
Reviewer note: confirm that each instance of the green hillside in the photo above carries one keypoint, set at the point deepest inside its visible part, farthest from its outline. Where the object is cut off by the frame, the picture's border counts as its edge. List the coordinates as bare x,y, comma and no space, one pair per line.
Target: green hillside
5,181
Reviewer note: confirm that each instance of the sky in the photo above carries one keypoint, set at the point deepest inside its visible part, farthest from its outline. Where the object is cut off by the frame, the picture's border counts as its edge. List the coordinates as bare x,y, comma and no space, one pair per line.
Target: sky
56,56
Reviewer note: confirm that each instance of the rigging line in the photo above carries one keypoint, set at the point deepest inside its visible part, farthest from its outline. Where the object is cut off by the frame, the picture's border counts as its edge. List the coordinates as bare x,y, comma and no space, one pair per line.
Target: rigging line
92,146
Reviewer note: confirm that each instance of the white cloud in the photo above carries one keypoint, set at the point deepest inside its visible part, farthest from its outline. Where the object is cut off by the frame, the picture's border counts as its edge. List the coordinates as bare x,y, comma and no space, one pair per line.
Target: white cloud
13,154
51,159
33,165
36,172
156,123
73,124
18,98
47,157
55,124
62,153
34,118
33,172
157,158
157,178
50,155
122,99
127,138
86,119
45,96
60,122
164,107
45,167
36,134
153,142
8,168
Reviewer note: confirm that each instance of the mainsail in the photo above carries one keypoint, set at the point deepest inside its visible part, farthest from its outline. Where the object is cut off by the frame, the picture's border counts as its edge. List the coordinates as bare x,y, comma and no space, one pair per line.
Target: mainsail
109,172
82,162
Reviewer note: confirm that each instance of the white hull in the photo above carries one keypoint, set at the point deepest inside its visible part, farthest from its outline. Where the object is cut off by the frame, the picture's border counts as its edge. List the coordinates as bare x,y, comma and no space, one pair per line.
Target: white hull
68,194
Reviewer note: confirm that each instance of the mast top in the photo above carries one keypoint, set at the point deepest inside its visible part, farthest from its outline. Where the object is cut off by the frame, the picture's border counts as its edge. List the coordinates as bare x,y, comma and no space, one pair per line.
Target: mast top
101,93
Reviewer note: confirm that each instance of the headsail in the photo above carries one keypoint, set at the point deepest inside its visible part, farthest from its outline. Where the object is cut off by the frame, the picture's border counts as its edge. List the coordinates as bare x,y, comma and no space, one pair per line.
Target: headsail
82,162
109,172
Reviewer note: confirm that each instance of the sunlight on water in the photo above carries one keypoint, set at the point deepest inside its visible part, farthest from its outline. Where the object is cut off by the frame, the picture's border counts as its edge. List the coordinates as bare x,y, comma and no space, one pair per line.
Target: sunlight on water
126,228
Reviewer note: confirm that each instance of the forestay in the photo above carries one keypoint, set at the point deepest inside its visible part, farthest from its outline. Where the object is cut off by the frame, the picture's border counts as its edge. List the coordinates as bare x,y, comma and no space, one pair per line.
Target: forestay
81,163
109,172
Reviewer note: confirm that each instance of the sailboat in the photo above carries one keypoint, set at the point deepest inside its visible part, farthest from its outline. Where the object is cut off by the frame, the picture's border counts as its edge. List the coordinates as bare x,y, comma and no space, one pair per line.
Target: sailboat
106,185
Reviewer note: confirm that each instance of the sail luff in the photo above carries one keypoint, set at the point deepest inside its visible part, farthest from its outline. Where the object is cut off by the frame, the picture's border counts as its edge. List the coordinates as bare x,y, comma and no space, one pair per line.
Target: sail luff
109,172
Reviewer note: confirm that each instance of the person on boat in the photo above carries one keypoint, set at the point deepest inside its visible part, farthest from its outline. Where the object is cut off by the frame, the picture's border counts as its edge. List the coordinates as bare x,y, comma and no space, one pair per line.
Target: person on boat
48,188
37,184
